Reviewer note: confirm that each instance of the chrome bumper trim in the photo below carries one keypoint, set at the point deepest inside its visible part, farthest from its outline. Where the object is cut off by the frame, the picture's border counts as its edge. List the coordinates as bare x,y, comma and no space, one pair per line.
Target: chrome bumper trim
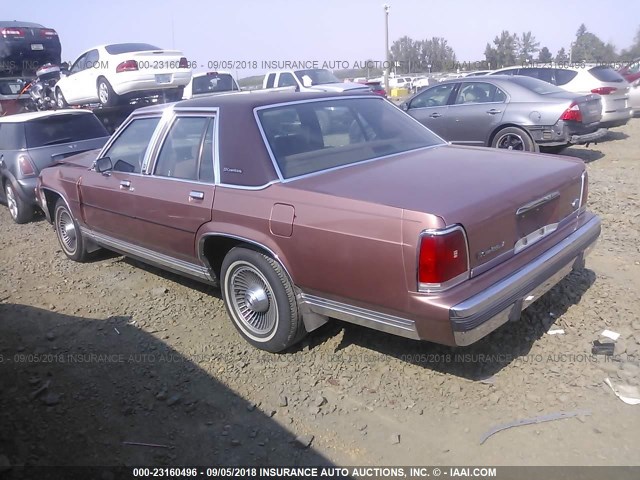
360,316
481,314
588,137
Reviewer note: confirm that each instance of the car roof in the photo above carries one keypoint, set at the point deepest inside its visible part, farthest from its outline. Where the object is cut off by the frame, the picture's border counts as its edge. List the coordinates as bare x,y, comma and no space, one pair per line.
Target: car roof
18,23
248,99
28,116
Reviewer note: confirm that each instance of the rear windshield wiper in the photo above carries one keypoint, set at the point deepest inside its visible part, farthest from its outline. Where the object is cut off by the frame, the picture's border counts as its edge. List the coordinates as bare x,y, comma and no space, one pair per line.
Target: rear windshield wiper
59,140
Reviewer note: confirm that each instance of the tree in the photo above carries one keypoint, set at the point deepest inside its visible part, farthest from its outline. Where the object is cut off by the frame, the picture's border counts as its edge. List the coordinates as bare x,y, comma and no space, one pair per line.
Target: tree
527,46
589,48
405,52
562,56
505,51
437,53
545,55
632,52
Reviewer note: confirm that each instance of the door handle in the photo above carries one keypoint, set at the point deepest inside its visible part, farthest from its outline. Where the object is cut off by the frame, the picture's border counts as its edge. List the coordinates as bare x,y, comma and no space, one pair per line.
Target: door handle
125,184
493,111
195,195
435,115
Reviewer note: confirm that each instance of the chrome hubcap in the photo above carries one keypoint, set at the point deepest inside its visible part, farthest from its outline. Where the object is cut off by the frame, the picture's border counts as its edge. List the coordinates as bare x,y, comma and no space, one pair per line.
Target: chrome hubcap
103,93
511,141
67,231
252,300
11,202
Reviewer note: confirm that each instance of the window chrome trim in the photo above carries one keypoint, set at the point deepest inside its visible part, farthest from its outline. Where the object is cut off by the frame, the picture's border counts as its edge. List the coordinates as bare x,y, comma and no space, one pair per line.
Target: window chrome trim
434,288
133,116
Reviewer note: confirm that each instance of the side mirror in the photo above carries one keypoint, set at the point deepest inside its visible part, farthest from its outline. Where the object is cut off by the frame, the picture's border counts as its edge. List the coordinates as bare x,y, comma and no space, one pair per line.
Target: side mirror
103,165
404,106
64,66
306,81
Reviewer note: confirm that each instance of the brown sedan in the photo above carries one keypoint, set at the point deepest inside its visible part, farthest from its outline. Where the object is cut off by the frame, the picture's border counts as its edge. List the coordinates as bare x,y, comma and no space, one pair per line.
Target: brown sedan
305,207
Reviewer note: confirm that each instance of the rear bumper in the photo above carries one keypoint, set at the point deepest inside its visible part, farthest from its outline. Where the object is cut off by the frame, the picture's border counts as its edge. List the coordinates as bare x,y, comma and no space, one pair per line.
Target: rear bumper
588,137
130,84
480,314
567,133
616,118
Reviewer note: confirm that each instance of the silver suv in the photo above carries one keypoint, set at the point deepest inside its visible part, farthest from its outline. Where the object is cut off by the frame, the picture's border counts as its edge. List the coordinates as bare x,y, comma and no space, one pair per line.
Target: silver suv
603,80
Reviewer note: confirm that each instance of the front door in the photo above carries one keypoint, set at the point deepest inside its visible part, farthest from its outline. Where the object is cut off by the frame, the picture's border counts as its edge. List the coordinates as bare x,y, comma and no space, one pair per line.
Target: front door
431,108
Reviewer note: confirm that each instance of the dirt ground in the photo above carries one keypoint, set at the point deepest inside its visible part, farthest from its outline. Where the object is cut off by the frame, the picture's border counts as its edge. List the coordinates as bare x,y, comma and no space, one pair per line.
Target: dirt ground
98,358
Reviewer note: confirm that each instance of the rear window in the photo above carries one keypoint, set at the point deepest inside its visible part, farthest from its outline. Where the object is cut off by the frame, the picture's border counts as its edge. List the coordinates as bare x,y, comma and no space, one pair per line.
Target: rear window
564,76
58,129
314,136
214,82
118,48
535,85
606,74
10,87
11,136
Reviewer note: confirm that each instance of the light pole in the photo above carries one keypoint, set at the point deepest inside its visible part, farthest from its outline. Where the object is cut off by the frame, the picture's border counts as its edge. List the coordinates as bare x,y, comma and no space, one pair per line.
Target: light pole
386,47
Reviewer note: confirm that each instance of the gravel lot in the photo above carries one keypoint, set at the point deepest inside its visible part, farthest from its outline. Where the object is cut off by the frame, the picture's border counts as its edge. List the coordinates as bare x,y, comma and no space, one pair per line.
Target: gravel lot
96,355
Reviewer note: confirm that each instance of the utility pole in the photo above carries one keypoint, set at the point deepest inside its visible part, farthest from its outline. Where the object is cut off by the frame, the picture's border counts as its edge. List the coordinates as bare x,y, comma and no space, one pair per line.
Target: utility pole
386,47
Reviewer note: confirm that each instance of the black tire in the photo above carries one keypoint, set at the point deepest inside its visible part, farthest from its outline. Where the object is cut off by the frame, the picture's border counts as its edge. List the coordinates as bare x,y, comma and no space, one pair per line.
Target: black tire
556,149
61,102
514,138
258,283
106,96
68,232
20,211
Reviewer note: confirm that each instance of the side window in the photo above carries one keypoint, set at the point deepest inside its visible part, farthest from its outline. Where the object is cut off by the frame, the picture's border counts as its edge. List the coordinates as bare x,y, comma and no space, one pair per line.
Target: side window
634,68
564,76
479,92
12,136
433,97
270,79
544,74
181,149
128,149
205,173
511,71
91,59
80,64
287,80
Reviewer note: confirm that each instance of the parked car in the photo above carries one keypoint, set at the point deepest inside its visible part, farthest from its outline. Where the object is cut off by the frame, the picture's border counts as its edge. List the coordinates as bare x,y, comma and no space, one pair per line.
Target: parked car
478,73
310,80
603,80
111,74
400,82
10,99
25,46
210,83
29,142
631,73
512,112
376,221
376,87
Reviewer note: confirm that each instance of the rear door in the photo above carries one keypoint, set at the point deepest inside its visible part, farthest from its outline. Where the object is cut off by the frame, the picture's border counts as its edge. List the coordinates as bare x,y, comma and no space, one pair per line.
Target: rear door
177,198
476,112
431,108
107,199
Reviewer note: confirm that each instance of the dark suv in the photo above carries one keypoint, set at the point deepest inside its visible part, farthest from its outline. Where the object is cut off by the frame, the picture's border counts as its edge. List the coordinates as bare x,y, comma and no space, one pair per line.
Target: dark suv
30,142
25,46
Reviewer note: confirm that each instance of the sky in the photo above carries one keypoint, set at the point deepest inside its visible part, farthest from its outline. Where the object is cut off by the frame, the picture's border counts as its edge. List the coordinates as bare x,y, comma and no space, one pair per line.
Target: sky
247,33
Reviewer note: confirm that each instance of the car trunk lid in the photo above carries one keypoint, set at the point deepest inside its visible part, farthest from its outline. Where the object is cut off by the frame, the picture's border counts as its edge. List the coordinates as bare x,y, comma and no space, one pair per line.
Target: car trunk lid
500,198
589,106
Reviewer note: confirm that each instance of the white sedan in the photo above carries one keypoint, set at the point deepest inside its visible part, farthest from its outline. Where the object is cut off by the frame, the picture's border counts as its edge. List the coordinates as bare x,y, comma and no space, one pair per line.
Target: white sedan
109,74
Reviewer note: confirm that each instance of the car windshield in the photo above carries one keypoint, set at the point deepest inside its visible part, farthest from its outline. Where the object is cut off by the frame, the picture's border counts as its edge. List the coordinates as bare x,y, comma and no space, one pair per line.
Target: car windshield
118,48
58,129
213,82
539,86
314,136
317,76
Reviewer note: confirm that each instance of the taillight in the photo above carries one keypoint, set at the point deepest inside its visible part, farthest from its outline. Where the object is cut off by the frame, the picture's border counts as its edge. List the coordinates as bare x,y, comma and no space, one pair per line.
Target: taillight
26,167
48,32
572,113
442,260
12,32
604,90
183,63
127,66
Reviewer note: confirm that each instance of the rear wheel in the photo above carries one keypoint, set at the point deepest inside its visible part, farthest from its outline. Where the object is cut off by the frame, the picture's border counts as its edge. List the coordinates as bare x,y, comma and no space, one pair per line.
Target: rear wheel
68,233
260,300
106,95
19,210
514,138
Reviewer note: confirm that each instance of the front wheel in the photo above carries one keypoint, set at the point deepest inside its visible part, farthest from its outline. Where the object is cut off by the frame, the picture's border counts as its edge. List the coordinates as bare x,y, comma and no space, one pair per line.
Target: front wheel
19,210
260,300
513,138
68,233
106,95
